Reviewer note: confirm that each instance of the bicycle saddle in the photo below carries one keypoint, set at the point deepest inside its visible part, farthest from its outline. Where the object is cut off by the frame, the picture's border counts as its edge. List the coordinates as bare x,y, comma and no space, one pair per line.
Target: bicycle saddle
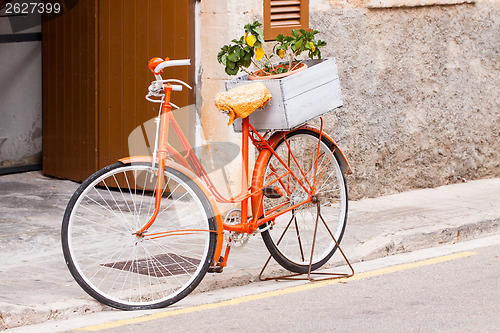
241,101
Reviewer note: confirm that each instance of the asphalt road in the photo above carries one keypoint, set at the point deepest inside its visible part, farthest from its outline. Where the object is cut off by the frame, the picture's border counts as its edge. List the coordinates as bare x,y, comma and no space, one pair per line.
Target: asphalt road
454,288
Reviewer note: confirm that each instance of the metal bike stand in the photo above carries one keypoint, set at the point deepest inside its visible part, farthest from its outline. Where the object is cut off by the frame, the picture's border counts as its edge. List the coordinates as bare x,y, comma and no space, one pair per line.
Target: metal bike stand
300,276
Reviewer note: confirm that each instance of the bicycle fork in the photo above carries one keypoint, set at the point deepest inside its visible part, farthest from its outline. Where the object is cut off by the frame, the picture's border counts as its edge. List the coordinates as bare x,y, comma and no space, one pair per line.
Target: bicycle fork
160,155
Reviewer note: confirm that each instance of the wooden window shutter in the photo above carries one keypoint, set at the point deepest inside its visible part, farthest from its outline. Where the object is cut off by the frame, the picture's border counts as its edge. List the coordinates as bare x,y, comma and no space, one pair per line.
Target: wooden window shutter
281,16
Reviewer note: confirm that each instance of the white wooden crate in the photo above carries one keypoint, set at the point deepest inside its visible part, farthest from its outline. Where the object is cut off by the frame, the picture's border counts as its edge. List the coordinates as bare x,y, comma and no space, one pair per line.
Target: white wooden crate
297,98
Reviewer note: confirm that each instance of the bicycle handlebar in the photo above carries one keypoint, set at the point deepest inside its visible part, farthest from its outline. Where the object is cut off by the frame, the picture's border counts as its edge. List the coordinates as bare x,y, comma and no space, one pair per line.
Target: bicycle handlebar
156,65
172,63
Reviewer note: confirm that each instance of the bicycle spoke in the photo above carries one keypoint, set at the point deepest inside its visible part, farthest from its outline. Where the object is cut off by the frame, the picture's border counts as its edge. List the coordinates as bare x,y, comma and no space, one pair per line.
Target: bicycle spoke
121,192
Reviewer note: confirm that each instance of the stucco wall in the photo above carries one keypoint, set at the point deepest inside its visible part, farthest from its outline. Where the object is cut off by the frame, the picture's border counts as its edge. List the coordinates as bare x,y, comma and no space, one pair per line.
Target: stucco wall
20,98
420,86
220,22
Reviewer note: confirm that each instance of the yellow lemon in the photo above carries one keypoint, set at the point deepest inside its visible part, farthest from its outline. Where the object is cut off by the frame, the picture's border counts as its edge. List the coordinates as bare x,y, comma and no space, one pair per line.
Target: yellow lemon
259,53
311,45
282,53
250,39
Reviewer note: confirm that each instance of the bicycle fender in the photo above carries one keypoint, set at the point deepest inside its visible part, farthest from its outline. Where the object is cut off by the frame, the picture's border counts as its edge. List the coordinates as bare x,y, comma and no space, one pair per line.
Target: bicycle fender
201,185
265,155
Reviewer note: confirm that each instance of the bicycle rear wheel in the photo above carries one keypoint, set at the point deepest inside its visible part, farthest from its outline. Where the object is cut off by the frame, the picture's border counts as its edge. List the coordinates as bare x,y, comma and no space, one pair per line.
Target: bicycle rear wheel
117,267
290,241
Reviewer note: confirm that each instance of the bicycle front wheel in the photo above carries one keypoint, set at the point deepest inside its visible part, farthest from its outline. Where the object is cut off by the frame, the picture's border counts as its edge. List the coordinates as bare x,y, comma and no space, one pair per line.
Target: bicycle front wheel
126,271
302,237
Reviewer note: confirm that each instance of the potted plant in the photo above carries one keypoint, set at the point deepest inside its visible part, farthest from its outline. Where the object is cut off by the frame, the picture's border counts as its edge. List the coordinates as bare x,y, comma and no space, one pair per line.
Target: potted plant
241,53
296,99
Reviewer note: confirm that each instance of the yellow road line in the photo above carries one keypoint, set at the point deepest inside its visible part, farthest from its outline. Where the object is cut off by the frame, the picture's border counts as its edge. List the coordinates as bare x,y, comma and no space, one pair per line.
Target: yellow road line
274,293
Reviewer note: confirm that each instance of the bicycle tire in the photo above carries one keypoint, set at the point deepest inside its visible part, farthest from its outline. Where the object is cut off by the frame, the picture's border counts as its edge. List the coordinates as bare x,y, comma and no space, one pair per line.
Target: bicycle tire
121,269
290,240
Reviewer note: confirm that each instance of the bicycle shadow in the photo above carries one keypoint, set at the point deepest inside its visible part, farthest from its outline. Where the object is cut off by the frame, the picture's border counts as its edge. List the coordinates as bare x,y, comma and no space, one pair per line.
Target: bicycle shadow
214,156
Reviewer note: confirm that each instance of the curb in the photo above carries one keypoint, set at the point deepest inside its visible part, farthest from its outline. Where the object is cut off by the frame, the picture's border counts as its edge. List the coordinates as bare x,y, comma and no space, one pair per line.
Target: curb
402,242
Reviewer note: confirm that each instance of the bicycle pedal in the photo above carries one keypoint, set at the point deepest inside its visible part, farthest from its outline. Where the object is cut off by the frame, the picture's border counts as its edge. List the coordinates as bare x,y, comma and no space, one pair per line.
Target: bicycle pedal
215,269
272,192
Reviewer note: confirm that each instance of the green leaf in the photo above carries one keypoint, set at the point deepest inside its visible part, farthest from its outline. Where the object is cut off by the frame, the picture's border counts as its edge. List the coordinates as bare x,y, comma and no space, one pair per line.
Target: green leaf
219,56
246,62
259,31
233,57
298,44
281,70
233,71
247,56
230,64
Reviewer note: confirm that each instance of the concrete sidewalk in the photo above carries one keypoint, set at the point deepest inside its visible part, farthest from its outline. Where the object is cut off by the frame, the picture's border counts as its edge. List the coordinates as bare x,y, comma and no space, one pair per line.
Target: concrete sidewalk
36,285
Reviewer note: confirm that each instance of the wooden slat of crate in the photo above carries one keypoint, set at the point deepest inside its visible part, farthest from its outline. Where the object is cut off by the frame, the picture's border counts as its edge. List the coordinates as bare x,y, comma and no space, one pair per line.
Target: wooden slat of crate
297,98
316,102
317,74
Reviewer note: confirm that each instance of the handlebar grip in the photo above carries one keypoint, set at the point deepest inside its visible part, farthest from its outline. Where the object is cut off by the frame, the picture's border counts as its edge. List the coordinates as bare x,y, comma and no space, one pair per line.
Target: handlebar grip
172,63
156,65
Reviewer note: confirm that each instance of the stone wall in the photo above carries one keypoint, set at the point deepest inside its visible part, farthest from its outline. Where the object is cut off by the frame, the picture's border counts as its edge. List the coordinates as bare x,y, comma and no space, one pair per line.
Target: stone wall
420,85
20,96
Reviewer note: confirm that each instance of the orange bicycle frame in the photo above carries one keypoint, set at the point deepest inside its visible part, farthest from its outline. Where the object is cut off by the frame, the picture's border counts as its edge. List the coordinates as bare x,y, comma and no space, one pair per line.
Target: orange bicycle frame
190,162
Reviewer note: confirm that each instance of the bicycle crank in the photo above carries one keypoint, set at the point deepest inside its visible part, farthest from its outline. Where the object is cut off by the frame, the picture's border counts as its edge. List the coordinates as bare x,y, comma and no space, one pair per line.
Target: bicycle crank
235,239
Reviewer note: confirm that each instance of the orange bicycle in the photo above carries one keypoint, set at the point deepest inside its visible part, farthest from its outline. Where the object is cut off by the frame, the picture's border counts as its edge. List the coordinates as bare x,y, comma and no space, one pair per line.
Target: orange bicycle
142,233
